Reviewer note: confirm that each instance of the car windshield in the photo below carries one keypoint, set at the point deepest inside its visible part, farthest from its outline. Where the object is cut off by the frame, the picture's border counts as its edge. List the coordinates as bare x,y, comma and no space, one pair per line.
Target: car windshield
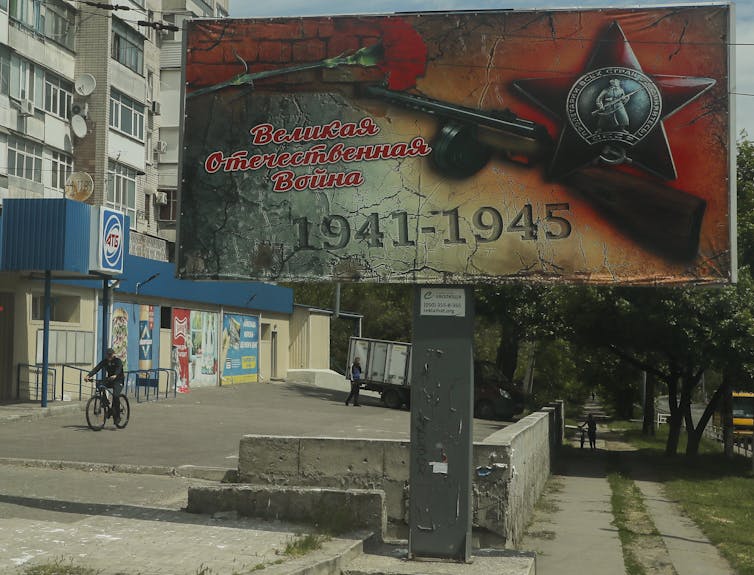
743,407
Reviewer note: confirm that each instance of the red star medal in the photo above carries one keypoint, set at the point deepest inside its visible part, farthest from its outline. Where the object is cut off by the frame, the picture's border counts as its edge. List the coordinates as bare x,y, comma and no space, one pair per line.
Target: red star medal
613,112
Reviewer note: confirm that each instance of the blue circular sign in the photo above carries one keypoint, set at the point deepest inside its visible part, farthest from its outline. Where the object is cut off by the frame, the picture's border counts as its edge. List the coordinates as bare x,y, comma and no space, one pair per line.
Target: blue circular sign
112,241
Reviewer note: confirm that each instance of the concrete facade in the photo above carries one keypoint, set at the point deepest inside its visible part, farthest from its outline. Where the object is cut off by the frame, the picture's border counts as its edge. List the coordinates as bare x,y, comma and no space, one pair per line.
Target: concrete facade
511,468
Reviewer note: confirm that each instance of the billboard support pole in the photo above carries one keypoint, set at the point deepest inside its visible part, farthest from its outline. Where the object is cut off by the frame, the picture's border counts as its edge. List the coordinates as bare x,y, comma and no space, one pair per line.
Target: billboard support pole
105,315
46,336
442,394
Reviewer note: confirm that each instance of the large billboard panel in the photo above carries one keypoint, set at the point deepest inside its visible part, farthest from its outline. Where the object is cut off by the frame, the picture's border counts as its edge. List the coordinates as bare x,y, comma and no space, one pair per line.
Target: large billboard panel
576,145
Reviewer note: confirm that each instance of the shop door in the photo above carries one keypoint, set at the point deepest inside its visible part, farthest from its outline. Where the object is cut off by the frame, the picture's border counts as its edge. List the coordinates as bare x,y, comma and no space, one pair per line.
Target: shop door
6,347
274,355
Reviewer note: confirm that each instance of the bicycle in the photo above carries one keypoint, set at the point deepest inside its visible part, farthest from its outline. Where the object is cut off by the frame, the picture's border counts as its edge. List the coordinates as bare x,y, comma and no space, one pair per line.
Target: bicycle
98,409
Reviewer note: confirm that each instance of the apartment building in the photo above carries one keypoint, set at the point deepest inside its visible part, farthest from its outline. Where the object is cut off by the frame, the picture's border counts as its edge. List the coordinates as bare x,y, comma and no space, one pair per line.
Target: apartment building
90,113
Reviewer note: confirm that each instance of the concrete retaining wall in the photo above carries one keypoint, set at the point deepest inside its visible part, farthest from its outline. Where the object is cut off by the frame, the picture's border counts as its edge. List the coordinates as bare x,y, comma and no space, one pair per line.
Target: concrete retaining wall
332,510
511,468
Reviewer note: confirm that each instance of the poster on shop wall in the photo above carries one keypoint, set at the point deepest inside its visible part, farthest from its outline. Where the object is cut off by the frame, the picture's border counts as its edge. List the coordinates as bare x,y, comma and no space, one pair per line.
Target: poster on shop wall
131,335
239,357
195,343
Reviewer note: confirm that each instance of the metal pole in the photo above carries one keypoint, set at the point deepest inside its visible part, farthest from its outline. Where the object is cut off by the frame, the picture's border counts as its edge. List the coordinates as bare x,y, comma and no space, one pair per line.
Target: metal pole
105,315
442,393
46,335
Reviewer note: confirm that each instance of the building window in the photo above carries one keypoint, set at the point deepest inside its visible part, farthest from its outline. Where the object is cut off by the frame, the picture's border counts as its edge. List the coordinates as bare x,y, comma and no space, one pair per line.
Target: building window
126,115
58,96
169,211
62,166
24,159
59,23
128,46
121,189
4,5
51,19
64,308
4,70
21,78
26,12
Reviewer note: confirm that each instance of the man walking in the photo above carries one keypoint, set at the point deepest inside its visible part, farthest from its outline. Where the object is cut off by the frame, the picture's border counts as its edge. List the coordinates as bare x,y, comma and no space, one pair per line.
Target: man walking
354,374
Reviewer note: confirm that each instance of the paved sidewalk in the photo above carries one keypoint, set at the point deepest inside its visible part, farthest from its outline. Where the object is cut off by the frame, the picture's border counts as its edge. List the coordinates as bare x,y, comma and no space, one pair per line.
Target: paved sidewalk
690,550
133,524
573,534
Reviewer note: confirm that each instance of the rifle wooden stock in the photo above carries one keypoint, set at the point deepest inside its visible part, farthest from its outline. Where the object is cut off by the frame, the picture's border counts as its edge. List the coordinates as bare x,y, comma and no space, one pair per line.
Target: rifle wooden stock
663,220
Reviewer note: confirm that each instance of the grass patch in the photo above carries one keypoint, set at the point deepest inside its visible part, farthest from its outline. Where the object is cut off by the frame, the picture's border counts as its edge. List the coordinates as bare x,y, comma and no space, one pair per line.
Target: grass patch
714,491
303,544
544,534
643,548
59,568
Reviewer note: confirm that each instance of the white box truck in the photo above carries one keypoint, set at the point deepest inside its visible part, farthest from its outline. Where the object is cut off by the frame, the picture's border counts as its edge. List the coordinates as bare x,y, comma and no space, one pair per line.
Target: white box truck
386,369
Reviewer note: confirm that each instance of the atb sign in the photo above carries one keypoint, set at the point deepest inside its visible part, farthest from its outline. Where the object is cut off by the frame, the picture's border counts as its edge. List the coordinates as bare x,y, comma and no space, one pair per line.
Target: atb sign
110,242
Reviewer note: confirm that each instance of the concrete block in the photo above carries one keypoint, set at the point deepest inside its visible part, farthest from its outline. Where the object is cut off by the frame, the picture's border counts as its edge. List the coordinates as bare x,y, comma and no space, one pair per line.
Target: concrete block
346,463
397,460
396,500
268,459
329,510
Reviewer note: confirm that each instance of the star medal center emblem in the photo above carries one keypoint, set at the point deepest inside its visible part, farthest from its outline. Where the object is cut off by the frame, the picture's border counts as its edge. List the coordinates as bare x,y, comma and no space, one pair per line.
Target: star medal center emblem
614,106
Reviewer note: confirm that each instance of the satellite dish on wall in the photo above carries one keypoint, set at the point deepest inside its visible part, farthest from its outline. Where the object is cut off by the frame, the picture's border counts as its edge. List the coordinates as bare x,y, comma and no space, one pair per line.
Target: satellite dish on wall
85,84
79,186
78,125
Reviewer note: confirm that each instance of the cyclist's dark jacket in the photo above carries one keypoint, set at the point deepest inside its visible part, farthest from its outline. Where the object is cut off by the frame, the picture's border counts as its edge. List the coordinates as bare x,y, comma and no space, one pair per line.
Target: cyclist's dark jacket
112,367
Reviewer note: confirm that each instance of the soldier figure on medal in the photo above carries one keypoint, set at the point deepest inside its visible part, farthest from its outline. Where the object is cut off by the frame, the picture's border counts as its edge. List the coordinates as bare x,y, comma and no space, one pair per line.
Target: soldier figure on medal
611,110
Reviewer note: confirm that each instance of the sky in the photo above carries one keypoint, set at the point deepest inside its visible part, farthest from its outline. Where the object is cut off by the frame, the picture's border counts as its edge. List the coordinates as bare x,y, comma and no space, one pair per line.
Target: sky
744,32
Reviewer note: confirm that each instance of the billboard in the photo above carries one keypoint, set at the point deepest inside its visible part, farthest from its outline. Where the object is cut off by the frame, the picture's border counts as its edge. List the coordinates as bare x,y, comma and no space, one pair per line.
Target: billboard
576,145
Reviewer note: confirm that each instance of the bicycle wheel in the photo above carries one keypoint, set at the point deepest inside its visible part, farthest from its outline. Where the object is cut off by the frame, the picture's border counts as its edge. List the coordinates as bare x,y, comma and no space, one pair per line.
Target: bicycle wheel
96,414
125,412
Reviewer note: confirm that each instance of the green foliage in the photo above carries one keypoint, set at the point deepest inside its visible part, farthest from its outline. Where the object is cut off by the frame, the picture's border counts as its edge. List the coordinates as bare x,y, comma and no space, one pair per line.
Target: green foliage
745,167
303,544
59,567
556,374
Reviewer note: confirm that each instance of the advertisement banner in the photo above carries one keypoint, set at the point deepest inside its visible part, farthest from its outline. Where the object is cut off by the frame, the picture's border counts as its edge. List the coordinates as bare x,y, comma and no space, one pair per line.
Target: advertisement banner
587,146
121,333
146,337
203,348
239,357
179,358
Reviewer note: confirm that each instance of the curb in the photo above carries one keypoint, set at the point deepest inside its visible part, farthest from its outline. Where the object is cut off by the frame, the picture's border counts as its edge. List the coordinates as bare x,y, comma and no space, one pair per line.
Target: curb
218,474
32,413
326,563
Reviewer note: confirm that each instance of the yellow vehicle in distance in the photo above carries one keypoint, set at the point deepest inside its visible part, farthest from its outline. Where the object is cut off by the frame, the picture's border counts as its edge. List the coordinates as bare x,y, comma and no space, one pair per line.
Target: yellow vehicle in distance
743,415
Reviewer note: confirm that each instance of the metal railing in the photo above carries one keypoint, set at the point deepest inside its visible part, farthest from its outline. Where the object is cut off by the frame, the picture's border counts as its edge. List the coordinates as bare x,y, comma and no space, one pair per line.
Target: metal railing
741,447
81,385
37,371
150,381
74,387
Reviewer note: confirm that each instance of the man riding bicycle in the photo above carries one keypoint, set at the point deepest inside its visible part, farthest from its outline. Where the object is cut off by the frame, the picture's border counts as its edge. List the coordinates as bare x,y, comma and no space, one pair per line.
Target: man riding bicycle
115,377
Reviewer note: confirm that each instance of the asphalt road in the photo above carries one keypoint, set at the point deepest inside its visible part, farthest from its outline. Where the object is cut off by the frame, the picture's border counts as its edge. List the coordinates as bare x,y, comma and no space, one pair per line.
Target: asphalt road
204,427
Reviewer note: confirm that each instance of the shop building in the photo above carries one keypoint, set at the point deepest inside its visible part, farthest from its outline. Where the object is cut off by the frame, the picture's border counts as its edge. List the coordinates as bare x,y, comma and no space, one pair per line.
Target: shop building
207,333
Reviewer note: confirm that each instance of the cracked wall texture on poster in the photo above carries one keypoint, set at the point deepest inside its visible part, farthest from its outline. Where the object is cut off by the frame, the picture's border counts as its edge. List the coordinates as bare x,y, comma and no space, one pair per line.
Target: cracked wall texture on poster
588,146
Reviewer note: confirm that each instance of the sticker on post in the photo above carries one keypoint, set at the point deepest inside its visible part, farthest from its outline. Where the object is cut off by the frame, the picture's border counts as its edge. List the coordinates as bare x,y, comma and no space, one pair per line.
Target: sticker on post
443,301
439,467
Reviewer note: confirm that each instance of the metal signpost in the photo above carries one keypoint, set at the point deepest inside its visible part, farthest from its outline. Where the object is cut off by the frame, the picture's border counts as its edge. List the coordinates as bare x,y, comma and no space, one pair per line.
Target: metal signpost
442,399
